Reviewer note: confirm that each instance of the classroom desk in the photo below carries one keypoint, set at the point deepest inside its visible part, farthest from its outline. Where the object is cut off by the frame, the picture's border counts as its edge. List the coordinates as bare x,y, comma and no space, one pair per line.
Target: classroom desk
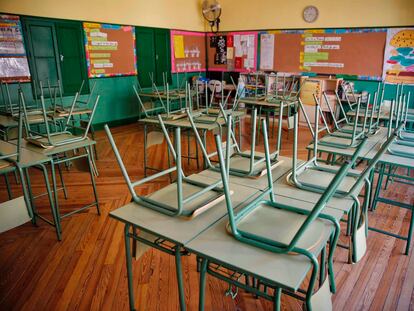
185,124
30,159
6,124
393,162
53,154
170,234
177,235
371,142
279,271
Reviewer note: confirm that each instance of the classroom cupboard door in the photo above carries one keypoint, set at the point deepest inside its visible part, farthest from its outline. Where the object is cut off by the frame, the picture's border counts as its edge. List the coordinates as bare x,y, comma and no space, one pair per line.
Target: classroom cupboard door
162,56
70,39
145,55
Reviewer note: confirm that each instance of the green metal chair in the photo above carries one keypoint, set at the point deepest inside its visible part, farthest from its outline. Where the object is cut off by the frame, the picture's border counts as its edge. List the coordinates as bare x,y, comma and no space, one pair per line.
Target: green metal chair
329,139
185,197
314,177
295,231
344,128
242,163
55,136
401,147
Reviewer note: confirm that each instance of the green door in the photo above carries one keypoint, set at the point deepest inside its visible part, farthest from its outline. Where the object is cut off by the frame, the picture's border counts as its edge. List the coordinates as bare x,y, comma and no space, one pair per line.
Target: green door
72,57
162,54
42,51
145,55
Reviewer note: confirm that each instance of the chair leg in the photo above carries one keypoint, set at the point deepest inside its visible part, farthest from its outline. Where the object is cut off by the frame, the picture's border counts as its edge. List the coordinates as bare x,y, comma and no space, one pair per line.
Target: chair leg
62,182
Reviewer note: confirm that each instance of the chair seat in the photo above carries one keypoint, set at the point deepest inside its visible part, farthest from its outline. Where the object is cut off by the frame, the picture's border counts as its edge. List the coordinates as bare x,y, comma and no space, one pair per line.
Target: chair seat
320,178
5,165
407,135
55,139
168,195
281,225
328,139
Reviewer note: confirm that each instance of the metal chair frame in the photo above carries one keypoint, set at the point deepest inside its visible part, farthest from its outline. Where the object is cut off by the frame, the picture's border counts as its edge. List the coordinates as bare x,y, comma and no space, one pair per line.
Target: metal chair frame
164,207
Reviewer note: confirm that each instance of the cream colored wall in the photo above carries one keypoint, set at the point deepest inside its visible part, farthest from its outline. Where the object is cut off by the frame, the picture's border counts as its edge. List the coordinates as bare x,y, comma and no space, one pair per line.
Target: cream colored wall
283,14
237,14
178,14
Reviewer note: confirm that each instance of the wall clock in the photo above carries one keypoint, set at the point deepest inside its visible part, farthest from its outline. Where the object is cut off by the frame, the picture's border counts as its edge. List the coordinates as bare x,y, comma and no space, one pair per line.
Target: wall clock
310,13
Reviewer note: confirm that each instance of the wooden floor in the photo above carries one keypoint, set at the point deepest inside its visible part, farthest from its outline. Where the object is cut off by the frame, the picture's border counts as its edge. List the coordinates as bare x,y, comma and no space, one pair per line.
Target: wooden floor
86,270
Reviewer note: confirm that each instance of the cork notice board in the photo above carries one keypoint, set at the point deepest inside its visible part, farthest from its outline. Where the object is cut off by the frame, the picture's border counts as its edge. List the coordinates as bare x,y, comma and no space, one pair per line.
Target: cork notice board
110,50
188,51
353,53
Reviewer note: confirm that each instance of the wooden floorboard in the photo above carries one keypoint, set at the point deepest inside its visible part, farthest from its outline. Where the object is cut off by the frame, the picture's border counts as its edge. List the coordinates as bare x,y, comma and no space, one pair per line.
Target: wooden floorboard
86,270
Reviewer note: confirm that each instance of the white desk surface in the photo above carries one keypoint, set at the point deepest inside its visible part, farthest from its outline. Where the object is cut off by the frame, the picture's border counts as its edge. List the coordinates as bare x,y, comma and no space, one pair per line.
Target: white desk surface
180,230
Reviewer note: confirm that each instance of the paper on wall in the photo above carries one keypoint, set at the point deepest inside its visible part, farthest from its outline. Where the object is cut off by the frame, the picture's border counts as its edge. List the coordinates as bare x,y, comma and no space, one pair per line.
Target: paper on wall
230,52
237,47
267,46
179,46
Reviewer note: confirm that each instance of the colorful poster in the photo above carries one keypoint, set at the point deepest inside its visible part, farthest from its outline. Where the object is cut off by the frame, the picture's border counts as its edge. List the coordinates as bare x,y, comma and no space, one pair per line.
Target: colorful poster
399,56
13,60
110,50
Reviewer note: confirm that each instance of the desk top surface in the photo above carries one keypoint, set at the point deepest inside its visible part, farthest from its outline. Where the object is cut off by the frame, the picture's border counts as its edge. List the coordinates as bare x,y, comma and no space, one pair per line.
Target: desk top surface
7,121
184,123
27,157
181,230
56,150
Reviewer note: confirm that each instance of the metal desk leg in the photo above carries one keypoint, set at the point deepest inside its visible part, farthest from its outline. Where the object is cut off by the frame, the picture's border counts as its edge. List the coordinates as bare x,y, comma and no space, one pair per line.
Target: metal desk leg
87,150
179,273
9,192
205,146
62,182
378,188
55,211
203,274
26,196
55,193
145,150
130,275
410,232
276,299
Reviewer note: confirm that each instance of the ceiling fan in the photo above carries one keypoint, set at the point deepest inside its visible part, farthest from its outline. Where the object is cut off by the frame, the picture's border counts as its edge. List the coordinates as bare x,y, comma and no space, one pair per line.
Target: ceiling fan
211,11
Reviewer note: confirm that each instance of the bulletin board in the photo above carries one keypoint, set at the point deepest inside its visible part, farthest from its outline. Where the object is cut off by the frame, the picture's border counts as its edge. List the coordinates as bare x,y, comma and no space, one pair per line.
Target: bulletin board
329,51
233,51
110,50
399,56
13,60
188,51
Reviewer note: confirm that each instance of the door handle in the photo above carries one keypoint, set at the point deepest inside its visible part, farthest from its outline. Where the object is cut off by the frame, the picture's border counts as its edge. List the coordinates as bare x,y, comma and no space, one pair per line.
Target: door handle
61,57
